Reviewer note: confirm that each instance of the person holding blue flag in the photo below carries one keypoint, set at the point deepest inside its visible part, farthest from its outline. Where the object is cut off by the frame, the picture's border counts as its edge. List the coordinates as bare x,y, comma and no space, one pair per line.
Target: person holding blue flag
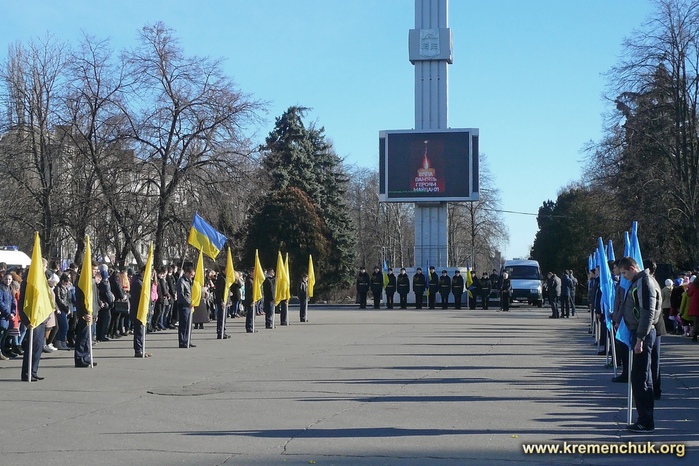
641,310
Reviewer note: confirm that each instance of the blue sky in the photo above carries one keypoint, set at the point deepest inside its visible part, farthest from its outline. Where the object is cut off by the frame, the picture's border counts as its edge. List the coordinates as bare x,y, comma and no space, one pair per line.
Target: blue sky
527,73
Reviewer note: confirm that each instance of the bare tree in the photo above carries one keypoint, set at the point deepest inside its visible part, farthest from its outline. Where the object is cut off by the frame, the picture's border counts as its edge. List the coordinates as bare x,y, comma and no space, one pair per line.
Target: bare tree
184,115
33,87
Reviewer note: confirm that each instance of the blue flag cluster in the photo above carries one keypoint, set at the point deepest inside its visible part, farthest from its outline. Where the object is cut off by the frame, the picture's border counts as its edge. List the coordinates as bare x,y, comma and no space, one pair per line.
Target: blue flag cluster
607,289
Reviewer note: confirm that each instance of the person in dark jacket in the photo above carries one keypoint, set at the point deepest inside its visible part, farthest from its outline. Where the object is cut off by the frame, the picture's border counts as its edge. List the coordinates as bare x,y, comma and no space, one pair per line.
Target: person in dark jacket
117,327
432,287
172,290
84,319
444,288
403,288
104,317
377,286
457,288
248,303
475,290
505,291
8,310
390,288
269,288
303,298
363,281
486,287
138,328
184,306
38,336
221,295
419,283
554,287
64,309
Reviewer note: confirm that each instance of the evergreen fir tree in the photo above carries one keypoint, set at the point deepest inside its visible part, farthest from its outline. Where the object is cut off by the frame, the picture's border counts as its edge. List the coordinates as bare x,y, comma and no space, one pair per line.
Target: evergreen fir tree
296,156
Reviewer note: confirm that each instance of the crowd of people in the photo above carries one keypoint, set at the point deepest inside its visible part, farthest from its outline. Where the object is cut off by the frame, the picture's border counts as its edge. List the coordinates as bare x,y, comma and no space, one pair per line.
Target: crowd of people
430,286
114,311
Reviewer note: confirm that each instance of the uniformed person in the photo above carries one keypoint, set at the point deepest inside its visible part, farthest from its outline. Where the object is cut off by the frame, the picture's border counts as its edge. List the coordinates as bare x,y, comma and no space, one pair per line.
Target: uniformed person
444,288
390,288
486,287
433,287
457,288
419,283
377,286
363,281
403,287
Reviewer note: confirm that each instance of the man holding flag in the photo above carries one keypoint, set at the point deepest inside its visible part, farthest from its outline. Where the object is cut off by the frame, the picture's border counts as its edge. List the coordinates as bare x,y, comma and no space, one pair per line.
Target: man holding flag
184,306
142,306
35,306
641,310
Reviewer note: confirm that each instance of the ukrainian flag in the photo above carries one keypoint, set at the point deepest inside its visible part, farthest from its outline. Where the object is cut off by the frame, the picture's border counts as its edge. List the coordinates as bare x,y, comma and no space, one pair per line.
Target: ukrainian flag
205,238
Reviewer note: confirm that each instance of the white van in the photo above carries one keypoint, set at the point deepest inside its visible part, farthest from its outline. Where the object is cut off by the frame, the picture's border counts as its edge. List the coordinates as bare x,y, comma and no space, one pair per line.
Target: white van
13,257
525,277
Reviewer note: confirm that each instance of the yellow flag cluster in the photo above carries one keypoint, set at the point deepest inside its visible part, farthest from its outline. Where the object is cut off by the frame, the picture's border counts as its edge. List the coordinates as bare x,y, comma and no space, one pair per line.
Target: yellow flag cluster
37,300
144,299
198,283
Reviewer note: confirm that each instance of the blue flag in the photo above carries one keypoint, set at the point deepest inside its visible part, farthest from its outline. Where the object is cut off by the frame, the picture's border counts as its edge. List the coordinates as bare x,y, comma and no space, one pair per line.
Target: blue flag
610,251
623,334
635,249
606,285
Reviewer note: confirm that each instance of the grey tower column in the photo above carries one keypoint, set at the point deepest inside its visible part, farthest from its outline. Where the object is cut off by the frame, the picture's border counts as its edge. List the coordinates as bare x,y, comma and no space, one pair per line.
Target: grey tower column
430,52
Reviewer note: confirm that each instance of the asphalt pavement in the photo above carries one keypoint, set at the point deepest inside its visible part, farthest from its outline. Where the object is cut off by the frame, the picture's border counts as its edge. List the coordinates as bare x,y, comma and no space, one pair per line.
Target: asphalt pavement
349,387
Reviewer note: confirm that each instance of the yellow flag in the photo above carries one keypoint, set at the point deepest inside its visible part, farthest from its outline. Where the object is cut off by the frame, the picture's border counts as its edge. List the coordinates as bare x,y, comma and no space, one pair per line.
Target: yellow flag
144,299
198,283
37,301
230,277
287,281
86,277
257,279
281,280
311,276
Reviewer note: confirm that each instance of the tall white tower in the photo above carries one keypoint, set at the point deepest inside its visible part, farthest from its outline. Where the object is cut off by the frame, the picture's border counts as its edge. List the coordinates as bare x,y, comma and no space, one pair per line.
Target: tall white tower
430,50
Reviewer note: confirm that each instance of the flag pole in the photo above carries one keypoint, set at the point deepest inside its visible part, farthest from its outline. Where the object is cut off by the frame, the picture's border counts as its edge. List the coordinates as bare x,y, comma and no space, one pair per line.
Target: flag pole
614,358
144,341
225,315
254,314
31,346
189,332
89,327
629,394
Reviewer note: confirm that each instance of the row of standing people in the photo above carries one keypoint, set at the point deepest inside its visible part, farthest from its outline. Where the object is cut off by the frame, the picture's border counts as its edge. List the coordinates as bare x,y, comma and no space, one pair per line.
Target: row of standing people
430,284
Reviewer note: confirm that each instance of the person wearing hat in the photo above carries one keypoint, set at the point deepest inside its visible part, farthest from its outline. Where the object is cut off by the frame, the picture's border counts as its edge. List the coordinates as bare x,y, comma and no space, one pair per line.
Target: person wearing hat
390,288
403,287
457,288
377,286
444,289
363,281
419,284
486,287
432,287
